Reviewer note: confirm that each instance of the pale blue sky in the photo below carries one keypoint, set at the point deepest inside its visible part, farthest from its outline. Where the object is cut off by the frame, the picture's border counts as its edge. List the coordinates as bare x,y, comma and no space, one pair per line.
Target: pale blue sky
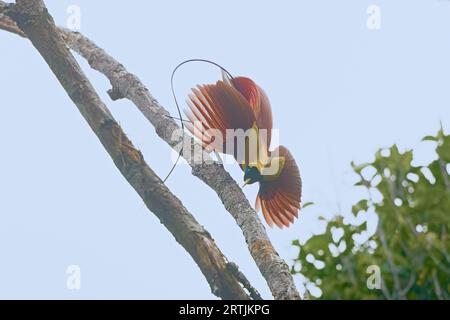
338,91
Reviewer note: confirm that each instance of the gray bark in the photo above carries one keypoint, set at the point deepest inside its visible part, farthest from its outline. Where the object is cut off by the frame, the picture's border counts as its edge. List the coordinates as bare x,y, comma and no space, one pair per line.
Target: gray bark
124,84
127,85
36,24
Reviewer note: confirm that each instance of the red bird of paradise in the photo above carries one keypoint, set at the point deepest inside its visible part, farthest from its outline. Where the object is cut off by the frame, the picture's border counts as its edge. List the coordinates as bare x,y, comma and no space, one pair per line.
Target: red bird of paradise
239,103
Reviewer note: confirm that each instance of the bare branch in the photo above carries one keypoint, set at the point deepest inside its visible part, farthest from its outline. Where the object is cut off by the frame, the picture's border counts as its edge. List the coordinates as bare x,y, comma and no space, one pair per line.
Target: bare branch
437,286
33,19
233,268
390,260
409,285
125,84
6,23
385,290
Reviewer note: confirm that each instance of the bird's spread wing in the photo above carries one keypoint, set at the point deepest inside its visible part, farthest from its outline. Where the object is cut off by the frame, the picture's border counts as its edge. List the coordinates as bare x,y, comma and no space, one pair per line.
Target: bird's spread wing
216,108
238,103
279,198
258,101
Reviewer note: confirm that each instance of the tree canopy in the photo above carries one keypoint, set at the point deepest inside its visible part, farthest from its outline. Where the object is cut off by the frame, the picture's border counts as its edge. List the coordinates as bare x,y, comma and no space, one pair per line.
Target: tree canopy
410,247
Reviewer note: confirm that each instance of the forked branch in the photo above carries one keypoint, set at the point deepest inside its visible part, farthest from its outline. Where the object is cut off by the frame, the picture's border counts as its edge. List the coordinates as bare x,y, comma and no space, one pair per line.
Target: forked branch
127,85
36,24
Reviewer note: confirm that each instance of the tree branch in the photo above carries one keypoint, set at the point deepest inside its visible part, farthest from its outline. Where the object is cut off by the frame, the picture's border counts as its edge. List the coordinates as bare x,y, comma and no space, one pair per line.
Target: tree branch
390,260
234,269
437,287
409,285
127,85
385,290
34,21
6,23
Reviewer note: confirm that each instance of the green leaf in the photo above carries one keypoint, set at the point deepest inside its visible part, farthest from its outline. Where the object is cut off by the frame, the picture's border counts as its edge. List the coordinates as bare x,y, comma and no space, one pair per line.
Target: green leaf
414,224
361,205
430,138
307,204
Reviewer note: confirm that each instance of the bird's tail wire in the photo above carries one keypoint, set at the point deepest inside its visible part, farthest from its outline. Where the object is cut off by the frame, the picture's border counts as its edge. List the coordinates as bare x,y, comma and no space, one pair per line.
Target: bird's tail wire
177,105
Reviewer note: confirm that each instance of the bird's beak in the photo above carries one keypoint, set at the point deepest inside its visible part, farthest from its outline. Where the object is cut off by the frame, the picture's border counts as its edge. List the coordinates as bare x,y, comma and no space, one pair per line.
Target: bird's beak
246,182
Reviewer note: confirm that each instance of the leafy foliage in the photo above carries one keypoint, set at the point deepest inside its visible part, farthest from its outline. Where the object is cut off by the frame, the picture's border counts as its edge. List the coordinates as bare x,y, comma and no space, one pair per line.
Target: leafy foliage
411,242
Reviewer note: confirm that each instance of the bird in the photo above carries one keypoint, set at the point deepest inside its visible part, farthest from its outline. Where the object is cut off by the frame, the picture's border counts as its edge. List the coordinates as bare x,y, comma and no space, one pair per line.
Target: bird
238,104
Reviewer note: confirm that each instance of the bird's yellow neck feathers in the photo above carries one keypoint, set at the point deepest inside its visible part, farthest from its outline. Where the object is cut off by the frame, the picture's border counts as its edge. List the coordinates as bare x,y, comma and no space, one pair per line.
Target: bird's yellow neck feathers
269,166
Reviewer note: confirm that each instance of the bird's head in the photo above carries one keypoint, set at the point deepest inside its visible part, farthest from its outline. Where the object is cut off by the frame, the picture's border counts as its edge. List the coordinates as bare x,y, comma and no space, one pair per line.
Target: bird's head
251,175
